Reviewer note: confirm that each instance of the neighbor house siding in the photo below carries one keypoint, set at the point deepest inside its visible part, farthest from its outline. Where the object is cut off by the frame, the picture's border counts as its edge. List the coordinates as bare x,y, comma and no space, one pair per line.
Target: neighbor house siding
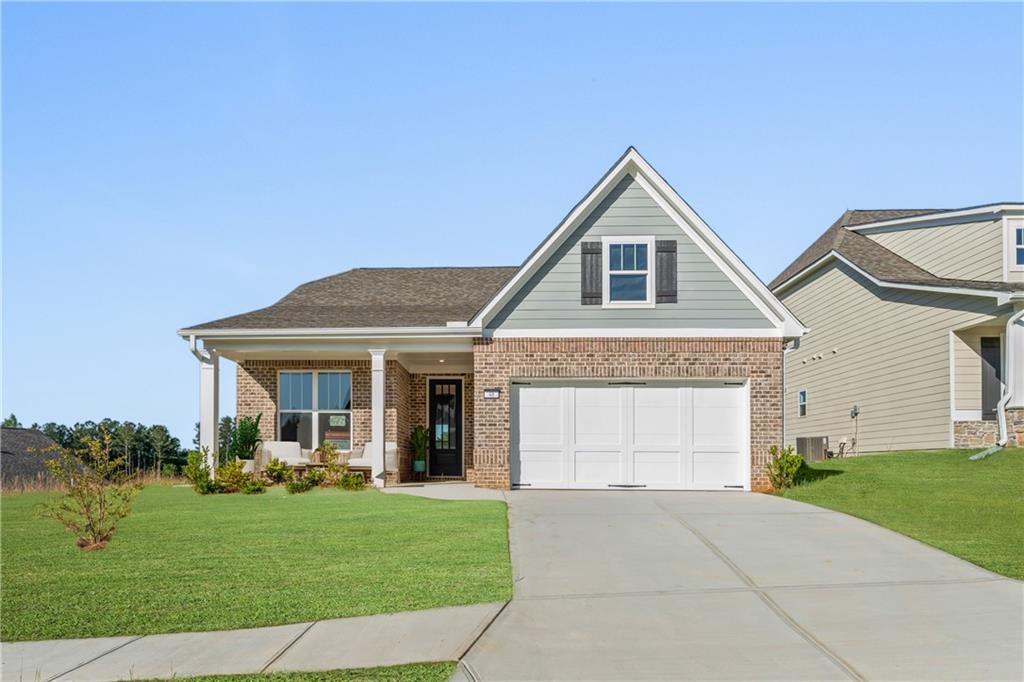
967,352
885,350
706,296
960,251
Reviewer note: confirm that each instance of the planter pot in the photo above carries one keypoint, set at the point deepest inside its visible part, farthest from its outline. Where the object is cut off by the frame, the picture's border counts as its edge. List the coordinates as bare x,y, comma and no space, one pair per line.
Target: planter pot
248,465
419,465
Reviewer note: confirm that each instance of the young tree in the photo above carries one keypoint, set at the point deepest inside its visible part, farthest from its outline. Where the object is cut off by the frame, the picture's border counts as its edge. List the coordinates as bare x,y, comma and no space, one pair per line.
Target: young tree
97,494
11,422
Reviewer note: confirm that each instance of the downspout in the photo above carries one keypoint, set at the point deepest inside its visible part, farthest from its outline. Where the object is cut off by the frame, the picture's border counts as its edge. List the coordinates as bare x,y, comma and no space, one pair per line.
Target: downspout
1007,389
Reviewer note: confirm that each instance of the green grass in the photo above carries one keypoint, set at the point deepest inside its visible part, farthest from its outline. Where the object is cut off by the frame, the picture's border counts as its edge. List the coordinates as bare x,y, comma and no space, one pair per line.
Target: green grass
974,510
418,672
183,562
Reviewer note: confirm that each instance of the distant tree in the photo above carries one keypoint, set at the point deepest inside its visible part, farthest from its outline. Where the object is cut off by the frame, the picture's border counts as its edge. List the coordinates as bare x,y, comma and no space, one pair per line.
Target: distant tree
12,422
162,443
225,435
124,439
59,433
195,438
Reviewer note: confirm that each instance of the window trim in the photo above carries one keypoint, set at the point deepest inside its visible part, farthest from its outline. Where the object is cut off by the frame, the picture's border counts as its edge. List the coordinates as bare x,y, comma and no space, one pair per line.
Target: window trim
801,403
315,411
1012,224
606,272
1017,235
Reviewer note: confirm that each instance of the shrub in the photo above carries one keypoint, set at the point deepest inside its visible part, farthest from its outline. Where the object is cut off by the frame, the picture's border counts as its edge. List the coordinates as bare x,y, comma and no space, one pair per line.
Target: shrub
351,481
333,468
169,470
97,494
783,467
277,471
299,485
253,486
315,476
231,476
246,439
207,486
196,469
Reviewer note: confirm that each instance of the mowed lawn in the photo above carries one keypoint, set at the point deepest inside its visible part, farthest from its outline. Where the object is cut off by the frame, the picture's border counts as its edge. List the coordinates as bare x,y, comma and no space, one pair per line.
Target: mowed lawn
184,562
418,672
974,510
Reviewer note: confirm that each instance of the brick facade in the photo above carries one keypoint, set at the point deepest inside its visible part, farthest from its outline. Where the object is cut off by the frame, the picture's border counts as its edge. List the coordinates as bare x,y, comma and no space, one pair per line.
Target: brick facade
980,434
497,361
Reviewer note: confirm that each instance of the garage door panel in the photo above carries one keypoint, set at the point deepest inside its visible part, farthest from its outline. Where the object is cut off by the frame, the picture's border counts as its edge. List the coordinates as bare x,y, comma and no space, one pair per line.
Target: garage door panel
717,418
716,469
542,467
541,417
598,418
663,468
657,416
597,467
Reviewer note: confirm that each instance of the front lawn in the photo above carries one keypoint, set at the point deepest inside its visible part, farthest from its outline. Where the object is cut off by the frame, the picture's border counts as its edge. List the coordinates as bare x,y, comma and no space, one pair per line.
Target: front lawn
974,510
417,672
183,562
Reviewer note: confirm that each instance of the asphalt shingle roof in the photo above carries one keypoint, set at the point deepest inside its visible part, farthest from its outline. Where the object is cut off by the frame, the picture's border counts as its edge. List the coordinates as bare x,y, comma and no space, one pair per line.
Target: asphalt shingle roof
21,457
874,258
377,297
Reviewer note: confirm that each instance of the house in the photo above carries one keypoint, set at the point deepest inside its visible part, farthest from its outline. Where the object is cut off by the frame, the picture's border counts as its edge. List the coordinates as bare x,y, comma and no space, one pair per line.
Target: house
631,349
23,455
916,339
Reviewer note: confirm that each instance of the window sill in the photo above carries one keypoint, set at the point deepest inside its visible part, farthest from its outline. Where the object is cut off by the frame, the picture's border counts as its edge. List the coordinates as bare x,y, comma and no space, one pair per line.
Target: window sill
623,304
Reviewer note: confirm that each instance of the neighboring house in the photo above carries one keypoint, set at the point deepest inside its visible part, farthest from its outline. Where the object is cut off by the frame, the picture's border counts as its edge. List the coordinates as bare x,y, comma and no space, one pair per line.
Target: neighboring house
23,457
914,319
632,348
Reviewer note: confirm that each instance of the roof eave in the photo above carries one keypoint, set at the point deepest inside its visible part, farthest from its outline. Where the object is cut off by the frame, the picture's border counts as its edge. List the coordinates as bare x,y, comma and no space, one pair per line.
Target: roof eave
334,333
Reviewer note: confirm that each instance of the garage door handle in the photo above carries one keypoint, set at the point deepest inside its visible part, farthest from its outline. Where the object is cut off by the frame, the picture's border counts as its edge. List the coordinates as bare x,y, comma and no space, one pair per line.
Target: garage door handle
625,485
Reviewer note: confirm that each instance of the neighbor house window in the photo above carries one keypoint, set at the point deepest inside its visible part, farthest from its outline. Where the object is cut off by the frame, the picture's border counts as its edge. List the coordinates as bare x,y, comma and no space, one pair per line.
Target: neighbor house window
1018,250
801,403
628,275
315,407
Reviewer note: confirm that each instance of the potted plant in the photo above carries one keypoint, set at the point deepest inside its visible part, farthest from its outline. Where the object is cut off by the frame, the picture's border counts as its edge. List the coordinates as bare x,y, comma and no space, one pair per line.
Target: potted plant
246,441
419,439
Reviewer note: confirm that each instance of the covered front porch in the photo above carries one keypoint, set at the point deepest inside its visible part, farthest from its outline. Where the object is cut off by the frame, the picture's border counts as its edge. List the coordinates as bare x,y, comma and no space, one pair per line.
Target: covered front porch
364,397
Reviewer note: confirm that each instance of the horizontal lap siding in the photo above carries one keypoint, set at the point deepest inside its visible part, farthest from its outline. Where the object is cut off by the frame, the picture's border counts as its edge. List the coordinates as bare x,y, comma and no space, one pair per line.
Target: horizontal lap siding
707,298
892,360
960,251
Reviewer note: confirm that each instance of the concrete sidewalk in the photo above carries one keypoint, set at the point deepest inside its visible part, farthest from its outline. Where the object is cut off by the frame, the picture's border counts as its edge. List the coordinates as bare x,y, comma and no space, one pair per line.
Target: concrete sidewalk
363,642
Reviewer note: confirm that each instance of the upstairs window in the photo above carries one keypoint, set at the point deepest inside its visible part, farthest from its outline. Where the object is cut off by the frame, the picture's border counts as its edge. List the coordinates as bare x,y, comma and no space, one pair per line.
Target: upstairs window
801,403
628,276
1018,250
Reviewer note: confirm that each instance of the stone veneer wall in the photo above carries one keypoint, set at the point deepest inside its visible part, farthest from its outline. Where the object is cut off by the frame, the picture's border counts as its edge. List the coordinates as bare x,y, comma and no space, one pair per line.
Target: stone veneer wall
419,416
497,361
980,434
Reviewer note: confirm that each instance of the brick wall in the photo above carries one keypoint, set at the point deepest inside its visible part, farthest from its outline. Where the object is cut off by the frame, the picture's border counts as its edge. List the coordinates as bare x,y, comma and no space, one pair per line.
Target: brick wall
982,434
397,414
497,361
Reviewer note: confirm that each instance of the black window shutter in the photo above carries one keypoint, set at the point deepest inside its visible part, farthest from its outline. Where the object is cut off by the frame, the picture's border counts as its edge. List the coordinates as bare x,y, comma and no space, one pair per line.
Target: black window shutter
590,273
666,287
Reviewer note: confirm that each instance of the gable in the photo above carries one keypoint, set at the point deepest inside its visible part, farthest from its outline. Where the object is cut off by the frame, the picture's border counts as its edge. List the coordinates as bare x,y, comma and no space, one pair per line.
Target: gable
961,250
707,297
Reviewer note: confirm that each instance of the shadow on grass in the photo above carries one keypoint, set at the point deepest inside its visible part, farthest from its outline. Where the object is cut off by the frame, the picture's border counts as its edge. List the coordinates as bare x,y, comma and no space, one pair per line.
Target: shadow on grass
808,474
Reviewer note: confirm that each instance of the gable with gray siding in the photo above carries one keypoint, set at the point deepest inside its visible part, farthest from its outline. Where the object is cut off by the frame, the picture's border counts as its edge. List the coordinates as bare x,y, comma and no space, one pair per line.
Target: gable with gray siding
707,298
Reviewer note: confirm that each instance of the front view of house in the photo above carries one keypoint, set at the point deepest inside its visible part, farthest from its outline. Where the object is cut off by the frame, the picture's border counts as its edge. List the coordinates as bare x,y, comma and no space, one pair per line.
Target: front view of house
632,349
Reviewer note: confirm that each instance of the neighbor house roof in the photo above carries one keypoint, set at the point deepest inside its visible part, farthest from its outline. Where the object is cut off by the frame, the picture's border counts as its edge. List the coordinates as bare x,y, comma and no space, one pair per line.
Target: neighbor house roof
875,259
21,456
377,297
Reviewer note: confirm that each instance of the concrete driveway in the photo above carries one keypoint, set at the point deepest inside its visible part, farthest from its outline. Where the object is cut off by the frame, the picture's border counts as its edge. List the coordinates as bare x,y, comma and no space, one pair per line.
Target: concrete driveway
646,585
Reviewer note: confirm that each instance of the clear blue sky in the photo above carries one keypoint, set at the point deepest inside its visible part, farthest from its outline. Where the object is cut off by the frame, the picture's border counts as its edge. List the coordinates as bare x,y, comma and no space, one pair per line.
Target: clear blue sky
165,165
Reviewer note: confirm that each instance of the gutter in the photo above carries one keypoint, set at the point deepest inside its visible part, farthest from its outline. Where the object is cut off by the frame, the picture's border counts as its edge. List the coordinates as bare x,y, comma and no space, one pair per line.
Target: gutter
340,333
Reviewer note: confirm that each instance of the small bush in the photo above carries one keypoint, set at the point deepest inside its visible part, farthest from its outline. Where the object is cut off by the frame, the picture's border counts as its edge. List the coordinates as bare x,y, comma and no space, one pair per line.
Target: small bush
315,476
351,481
783,467
299,485
253,486
169,470
246,438
231,476
196,469
207,486
97,493
277,471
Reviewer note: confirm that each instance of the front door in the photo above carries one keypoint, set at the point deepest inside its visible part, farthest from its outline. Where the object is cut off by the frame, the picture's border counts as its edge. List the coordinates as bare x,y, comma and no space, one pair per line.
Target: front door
991,376
445,410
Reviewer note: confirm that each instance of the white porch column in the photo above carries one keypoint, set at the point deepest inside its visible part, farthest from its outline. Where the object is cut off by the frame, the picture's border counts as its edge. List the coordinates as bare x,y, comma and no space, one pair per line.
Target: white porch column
1015,357
209,404
377,415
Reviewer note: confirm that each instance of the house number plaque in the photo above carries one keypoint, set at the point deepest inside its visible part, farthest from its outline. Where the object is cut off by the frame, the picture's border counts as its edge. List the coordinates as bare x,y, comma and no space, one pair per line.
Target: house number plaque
492,393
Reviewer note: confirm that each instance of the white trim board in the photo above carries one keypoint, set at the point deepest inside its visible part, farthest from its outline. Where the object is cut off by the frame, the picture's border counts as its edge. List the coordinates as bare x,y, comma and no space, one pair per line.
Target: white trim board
647,332
631,163
987,209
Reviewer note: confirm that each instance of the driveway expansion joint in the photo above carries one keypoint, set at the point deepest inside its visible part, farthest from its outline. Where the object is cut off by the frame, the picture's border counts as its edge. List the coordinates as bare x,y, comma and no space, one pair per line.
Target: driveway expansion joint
289,645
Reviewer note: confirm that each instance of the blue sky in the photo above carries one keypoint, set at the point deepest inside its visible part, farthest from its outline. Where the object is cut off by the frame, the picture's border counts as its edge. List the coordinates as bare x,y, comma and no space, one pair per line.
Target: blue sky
168,164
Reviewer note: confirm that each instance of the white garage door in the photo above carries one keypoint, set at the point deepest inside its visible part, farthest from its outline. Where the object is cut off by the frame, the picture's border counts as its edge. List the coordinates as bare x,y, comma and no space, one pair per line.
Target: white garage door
630,434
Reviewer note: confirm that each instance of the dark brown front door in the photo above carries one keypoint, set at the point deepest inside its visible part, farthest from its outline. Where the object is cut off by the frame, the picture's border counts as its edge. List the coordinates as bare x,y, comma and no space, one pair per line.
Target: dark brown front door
991,376
445,409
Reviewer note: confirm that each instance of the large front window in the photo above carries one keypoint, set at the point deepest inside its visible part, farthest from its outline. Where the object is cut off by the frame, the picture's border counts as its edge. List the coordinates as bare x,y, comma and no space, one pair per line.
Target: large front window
628,271
315,407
